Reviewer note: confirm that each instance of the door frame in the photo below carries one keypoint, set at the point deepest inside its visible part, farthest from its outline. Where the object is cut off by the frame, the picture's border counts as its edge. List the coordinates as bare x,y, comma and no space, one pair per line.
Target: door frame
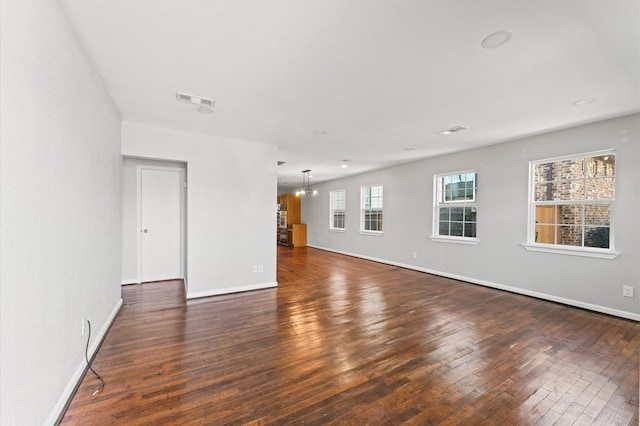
183,225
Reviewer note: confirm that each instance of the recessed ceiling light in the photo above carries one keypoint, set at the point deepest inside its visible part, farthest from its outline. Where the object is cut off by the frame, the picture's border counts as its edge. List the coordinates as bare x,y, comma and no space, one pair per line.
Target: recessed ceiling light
344,164
453,129
496,39
584,101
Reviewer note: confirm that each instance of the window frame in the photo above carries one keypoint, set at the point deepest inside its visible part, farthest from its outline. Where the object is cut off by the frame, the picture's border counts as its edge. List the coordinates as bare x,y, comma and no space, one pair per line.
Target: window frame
332,211
439,201
363,210
597,252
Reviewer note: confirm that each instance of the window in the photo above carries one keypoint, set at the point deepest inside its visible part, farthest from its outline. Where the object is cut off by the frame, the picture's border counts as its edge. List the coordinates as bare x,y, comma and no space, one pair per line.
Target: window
571,199
455,211
337,209
371,219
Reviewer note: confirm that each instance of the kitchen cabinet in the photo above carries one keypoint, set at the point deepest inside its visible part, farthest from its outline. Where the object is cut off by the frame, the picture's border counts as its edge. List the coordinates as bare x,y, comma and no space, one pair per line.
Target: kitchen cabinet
289,230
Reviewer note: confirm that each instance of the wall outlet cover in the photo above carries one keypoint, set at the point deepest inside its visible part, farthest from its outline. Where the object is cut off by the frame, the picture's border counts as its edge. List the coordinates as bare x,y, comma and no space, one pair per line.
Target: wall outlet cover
627,291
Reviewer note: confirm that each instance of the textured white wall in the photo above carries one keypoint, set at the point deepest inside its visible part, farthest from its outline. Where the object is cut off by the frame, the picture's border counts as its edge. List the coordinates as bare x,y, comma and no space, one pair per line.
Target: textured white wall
231,211
60,174
502,219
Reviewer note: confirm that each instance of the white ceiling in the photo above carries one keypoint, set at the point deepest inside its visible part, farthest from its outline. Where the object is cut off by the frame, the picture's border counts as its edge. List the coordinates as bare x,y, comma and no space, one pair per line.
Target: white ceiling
380,77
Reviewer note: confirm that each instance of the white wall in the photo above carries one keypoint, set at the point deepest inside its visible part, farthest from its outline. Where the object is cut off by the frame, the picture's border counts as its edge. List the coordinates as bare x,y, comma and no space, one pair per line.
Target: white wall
60,174
498,260
231,212
130,214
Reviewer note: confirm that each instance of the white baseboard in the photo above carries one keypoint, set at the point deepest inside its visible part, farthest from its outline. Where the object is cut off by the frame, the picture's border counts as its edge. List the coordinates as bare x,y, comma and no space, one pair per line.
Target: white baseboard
228,290
135,281
65,397
538,295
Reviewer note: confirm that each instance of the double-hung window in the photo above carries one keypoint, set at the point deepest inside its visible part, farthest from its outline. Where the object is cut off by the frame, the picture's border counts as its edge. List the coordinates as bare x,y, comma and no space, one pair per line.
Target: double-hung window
371,209
337,205
570,204
455,210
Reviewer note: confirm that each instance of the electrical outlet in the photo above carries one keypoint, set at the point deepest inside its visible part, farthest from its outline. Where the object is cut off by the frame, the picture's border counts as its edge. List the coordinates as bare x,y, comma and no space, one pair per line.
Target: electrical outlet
255,268
260,268
415,254
627,291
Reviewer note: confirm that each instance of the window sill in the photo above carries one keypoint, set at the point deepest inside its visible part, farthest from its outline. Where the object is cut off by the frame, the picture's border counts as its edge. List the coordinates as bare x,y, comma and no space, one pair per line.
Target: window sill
337,230
455,240
572,251
372,233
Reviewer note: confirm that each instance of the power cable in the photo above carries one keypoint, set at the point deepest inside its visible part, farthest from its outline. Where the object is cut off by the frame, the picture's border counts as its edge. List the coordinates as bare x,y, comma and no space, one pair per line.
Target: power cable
86,356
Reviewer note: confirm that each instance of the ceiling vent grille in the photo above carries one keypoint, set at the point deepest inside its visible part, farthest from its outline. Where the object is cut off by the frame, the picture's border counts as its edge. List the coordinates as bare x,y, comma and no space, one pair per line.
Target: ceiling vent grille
196,100
453,129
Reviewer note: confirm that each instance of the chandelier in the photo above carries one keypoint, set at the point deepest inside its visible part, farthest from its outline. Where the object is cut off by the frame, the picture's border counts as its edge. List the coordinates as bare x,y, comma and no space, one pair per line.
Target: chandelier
306,190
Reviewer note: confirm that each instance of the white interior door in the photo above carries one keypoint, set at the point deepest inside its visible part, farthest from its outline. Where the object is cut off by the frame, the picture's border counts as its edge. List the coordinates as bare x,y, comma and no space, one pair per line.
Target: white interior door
160,223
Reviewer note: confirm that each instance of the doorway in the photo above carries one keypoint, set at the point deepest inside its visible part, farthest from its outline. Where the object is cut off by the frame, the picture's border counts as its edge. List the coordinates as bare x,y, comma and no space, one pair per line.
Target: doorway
132,229
160,223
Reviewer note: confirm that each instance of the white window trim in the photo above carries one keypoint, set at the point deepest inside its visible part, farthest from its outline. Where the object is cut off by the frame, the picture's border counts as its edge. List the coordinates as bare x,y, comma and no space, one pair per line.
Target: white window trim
571,250
362,230
456,240
593,252
372,233
331,227
436,213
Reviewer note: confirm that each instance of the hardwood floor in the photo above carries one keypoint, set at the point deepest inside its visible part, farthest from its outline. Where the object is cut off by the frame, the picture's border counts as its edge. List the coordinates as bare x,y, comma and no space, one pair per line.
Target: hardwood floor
348,341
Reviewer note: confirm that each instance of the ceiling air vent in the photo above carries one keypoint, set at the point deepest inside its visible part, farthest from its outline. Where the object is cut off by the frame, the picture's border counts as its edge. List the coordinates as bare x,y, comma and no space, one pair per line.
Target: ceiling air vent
454,129
196,100
182,97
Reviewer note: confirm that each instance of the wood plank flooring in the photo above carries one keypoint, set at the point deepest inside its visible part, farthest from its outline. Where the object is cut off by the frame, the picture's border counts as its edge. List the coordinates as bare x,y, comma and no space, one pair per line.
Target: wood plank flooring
345,341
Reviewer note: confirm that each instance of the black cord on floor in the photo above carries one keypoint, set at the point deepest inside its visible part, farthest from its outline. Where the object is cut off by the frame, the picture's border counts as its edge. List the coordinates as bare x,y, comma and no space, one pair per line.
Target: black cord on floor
86,356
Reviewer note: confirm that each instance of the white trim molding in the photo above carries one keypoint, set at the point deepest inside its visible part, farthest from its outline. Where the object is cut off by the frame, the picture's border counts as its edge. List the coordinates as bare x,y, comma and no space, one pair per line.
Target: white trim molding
455,240
373,233
217,292
537,295
572,251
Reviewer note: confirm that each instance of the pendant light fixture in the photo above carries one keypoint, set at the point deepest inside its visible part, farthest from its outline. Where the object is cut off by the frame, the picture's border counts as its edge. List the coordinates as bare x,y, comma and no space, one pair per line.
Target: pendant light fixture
306,190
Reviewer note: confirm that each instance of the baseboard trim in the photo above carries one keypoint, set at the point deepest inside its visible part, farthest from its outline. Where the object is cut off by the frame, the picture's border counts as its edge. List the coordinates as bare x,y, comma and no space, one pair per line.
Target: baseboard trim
128,282
538,295
57,413
217,292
